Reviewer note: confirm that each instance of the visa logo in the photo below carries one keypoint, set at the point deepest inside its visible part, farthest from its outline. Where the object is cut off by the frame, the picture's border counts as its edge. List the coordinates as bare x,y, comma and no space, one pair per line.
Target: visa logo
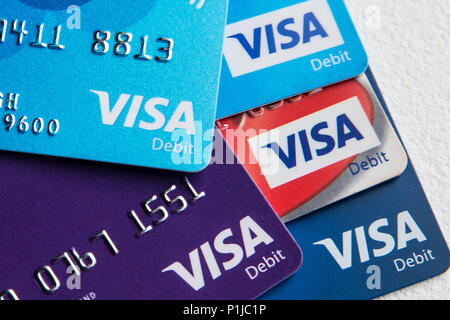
313,142
407,230
224,243
279,36
181,118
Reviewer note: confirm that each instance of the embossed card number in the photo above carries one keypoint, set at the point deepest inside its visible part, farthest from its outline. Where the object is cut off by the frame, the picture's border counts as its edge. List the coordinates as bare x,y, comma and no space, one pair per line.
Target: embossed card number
48,280
93,80
101,45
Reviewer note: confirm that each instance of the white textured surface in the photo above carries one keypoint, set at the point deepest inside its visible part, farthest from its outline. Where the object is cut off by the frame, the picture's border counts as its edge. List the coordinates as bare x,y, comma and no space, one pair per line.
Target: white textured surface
408,47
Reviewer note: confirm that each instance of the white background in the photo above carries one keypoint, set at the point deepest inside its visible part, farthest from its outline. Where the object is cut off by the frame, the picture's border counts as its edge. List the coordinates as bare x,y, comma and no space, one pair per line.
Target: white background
407,42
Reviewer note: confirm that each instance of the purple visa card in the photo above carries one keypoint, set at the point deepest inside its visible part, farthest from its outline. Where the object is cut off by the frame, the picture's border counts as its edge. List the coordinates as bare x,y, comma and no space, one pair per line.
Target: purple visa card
79,230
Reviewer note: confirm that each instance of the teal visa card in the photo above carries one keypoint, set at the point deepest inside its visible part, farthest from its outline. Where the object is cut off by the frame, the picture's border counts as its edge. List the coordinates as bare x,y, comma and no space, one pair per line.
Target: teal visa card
128,82
278,49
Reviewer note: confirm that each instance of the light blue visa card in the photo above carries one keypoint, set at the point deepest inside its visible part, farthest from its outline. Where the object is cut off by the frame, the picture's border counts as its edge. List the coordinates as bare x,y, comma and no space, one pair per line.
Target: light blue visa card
129,82
277,49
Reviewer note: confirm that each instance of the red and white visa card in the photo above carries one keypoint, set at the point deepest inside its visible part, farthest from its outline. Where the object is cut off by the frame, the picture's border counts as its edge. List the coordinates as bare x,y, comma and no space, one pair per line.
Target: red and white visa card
309,151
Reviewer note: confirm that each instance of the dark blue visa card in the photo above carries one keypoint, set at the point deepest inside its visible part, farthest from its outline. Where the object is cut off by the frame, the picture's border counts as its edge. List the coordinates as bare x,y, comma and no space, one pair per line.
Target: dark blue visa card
365,246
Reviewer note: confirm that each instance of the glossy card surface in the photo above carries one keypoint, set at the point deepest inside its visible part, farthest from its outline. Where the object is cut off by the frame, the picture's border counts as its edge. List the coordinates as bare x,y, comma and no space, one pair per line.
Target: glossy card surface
134,233
114,81
315,149
368,245
278,49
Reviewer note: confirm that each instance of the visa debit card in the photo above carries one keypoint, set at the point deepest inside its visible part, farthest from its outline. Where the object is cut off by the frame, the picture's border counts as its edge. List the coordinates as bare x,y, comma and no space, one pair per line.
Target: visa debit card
379,241
83,230
114,81
317,148
278,49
